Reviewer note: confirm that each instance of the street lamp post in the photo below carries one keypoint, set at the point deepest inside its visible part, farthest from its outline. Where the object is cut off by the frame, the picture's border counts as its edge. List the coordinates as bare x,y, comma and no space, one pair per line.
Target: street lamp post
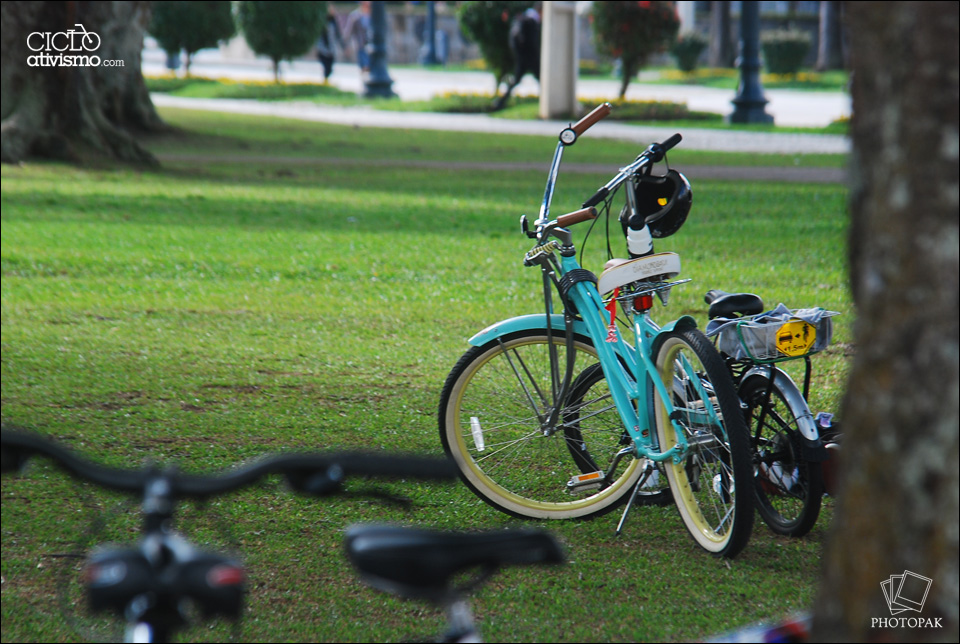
430,36
379,83
749,102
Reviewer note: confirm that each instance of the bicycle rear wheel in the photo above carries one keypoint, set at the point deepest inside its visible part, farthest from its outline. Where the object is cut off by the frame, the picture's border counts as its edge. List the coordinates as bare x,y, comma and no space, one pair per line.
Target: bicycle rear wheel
591,412
491,422
789,488
713,484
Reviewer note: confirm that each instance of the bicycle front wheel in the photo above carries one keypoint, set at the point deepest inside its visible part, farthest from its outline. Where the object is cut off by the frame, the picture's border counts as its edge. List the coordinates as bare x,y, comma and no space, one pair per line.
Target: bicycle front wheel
789,488
713,484
492,413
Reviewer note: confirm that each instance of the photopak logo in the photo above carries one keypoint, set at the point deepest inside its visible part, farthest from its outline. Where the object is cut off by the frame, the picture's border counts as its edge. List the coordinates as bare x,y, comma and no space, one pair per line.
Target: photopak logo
906,593
70,48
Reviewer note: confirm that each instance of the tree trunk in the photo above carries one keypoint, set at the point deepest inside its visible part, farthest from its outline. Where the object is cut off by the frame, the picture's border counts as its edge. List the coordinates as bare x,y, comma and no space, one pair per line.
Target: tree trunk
627,71
721,41
897,511
67,94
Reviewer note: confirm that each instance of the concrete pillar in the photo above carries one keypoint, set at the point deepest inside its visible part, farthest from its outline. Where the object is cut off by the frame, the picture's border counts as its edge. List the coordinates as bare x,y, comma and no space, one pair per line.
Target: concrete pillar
686,11
559,60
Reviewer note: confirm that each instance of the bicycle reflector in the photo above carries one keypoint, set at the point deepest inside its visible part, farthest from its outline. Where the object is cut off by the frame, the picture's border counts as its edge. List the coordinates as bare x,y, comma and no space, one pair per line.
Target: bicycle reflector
644,302
663,204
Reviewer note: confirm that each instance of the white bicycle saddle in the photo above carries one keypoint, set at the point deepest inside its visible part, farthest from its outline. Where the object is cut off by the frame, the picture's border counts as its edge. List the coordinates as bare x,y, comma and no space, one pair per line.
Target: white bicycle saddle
619,272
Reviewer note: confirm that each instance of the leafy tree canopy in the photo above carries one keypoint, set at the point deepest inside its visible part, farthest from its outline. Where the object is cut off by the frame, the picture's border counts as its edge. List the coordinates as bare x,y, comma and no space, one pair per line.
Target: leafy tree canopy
632,32
281,30
191,26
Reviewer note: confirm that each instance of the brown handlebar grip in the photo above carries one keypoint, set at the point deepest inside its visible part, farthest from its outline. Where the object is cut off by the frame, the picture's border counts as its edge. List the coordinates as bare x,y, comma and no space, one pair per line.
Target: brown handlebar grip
599,112
576,217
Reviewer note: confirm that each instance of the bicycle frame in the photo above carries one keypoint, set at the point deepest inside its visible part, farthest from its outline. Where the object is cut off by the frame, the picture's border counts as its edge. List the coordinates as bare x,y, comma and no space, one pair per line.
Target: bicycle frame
629,370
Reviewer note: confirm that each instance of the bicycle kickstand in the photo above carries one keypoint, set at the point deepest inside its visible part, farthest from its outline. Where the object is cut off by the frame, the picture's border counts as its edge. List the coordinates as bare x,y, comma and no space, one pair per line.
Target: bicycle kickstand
648,469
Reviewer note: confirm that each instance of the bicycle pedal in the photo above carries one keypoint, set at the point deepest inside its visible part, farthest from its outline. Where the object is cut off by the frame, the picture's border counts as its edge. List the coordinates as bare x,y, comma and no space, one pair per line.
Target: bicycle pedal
588,481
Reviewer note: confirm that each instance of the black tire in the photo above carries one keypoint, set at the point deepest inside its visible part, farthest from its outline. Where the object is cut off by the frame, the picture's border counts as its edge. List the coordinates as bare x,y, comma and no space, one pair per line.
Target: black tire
713,485
590,400
789,488
490,424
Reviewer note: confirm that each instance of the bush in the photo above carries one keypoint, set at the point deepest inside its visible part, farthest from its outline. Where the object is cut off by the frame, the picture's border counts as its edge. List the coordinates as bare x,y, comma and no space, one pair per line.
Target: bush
785,51
624,110
281,30
632,32
687,50
191,26
488,25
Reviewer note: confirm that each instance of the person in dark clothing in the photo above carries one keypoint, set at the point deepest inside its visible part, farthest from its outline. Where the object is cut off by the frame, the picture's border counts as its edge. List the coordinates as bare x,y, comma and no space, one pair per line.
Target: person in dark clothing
329,39
525,47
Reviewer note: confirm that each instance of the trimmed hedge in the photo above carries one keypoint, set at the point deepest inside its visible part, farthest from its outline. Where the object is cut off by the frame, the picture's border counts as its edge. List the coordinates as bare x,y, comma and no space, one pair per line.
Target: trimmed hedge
784,51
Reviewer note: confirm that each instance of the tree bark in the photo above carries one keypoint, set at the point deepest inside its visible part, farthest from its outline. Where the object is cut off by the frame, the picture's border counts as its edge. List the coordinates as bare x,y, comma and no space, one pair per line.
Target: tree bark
52,108
897,510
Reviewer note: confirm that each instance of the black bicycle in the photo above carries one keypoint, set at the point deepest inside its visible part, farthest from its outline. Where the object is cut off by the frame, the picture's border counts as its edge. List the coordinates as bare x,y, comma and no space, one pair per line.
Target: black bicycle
161,584
789,444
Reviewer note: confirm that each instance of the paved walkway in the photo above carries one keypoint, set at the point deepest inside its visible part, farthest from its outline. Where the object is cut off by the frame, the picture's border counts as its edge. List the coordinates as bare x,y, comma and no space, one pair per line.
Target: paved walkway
799,108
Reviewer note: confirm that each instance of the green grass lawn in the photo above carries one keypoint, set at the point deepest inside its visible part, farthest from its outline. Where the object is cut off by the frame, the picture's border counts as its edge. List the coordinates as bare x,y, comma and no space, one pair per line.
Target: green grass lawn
255,294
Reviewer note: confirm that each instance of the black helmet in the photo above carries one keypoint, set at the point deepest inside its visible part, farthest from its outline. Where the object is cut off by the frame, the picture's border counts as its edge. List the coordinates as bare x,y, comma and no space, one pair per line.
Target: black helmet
662,204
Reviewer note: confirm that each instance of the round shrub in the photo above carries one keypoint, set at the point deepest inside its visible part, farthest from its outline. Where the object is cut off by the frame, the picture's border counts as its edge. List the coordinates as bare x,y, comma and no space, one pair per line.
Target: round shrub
687,50
784,51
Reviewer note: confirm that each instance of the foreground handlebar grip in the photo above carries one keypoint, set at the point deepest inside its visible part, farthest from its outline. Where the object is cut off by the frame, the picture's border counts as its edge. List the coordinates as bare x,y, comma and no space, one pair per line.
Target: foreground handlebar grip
576,217
599,113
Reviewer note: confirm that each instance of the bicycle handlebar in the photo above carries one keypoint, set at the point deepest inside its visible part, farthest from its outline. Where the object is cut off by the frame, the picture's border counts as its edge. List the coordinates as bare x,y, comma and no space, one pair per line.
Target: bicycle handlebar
146,583
310,473
657,150
653,154
598,113
577,216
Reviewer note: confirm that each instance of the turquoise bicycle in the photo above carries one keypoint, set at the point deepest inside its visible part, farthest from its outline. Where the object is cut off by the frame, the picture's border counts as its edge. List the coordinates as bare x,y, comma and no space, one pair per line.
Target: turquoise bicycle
569,414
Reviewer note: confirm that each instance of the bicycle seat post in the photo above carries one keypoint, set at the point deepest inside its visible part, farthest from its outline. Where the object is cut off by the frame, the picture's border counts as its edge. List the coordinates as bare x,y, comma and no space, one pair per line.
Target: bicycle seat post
158,503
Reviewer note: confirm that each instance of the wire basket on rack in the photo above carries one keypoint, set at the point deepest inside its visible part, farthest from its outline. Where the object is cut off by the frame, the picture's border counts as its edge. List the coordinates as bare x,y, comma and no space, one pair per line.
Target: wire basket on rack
780,334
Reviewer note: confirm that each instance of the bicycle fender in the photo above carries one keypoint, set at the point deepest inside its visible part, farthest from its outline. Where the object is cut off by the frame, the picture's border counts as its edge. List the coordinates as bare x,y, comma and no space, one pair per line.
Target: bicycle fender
525,323
794,399
682,323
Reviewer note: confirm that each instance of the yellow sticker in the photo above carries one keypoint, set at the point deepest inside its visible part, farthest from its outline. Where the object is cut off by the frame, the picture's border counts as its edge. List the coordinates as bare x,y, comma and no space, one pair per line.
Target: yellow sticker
796,337
662,201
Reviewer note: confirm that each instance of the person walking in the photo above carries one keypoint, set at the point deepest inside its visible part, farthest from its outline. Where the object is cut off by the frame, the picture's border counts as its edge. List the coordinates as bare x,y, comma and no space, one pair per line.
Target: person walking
524,42
329,39
359,30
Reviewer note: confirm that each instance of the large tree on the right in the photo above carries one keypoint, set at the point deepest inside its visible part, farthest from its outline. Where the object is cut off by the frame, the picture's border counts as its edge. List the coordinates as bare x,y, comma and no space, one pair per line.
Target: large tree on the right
896,521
